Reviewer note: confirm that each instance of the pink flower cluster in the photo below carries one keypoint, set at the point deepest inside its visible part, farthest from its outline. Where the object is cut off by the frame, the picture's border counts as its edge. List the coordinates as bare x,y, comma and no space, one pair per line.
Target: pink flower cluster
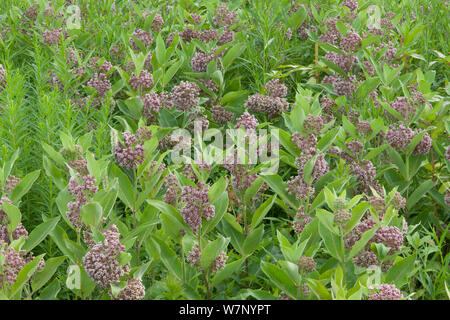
82,189
130,153
197,205
101,262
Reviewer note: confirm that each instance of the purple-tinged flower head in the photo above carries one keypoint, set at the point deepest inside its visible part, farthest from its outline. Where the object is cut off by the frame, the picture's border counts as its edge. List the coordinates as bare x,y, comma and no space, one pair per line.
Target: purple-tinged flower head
143,134
363,128
417,98
130,153
365,225
303,31
194,256
82,189
402,106
11,183
197,205
104,68
219,262
327,105
306,145
398,202
424,146
32,11
200,61
385,292
276,89
99,82
196,18
209,84
188,34
144,37
399,138
350,42
220,115
365,259
264,104
332,35
378,204
345,62
351,4
342,86
299,188
241,176
173,189
391,237
185,95
369,67
101,262
52,37
208,35
157,23
301,222
224,17
313,124
79,165
55,81
306,264
390,54
342,216
246,121
12,263
153,102
355,148
169,39
134,290
365,173
142,82
386,24
447,153
225,37
2,77
72,60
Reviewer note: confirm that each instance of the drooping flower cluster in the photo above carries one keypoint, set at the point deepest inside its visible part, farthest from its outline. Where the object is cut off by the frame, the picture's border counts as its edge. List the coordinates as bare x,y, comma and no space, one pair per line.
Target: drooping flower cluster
157,22
52,37
144,37
385,292
247,121
173,189
306,264
75,159
265,104
185,96
12,264
343,86
307,145
102,261
142,82
200,61
11,183
400,138
194,256
134,290
220,115
82,188
224,17
301,221
275,89
130,153
197,205
402,106
99,82
153,102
